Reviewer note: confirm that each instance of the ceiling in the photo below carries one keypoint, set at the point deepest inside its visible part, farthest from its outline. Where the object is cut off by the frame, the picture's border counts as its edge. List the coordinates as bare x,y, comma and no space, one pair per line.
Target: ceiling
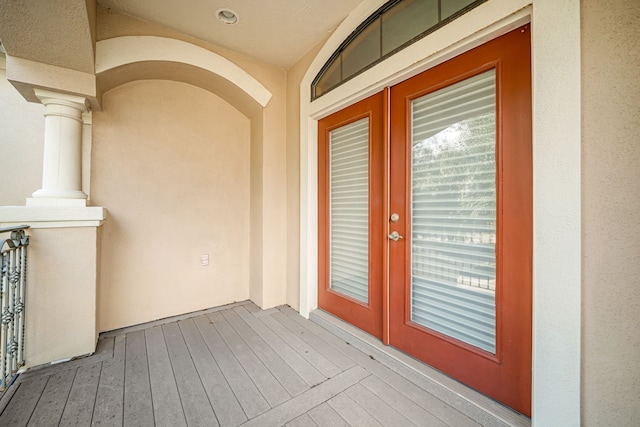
278,32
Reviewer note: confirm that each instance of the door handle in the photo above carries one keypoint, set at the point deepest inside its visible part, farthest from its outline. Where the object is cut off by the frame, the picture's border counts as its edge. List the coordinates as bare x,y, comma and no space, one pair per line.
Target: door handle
395,236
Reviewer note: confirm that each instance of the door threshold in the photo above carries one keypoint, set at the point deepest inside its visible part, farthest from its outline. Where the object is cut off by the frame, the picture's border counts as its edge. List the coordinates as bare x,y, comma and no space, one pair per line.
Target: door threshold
476,406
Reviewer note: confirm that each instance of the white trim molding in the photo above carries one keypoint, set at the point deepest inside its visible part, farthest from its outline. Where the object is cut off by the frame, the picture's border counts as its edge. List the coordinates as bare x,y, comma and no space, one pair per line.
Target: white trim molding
52,217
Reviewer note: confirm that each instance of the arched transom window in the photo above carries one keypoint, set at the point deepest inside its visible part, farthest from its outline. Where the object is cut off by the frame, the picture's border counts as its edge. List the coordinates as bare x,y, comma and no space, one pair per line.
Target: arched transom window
396,25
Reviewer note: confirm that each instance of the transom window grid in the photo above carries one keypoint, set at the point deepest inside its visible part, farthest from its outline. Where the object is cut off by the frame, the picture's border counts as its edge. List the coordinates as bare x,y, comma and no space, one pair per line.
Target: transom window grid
393,27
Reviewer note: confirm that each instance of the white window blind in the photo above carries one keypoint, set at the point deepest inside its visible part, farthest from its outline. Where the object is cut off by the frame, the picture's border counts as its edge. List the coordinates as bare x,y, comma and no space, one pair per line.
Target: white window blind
349,211
453,204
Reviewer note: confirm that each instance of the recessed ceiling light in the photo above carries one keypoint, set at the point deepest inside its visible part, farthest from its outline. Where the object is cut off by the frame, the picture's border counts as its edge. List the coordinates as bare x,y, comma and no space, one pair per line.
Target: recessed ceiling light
227,16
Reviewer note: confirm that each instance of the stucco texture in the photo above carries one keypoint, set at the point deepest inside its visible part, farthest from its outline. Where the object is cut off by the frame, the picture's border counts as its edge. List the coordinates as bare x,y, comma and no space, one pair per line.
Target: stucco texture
268,152
294,76
61,294
171,163
21,144
610,208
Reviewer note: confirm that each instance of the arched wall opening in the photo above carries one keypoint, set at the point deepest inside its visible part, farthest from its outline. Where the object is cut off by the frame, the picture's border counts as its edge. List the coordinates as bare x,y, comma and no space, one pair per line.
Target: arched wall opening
171,162
177,161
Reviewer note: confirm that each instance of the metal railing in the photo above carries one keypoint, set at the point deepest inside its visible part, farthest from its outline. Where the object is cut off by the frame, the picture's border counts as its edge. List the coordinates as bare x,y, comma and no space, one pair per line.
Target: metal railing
13,281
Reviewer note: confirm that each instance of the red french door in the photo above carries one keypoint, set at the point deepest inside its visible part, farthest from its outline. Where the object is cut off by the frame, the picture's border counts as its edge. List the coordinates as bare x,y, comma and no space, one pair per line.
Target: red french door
351,223
461,185
456,239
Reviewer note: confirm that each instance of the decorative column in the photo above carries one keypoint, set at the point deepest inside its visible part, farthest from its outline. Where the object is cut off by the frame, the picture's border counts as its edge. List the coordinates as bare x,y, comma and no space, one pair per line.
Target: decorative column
62,163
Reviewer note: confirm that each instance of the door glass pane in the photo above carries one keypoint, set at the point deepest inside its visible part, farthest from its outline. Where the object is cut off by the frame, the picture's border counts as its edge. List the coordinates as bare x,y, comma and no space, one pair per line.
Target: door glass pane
349,210
453,204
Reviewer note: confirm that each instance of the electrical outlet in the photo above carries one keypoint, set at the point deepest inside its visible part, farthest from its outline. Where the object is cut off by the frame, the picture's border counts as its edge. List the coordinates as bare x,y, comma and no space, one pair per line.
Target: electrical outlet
204,259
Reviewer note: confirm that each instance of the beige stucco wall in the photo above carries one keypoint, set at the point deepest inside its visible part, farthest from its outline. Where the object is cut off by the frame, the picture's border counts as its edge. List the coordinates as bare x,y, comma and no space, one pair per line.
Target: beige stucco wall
294,77
61,294
611,212
256,227
268,221
274,199
171,163
21,144
75,35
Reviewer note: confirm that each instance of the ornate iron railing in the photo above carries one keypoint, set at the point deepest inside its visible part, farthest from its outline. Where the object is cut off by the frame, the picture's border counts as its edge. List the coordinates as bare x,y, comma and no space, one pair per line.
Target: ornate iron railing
13,281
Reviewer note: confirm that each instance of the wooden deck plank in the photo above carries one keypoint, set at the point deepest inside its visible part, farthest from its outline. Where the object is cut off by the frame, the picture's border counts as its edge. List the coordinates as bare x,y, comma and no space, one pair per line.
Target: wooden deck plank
291,357
410,390
424,399
176,318
49,409
268,385
197,408
105,346
377,408
253,308
109,405
79,408
104,351
199,370
337,357
303,403
138,407
250,398
353,413
321,363
303,420
8,393
167,407
283,372
325,415
225,405
19,410
411,410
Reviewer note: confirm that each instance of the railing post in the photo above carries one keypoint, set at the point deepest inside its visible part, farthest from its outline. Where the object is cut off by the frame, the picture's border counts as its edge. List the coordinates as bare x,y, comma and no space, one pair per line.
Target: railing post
13,283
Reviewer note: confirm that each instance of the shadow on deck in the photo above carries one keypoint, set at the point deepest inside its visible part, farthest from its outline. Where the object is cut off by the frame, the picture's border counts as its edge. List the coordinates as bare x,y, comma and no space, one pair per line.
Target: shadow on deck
239,365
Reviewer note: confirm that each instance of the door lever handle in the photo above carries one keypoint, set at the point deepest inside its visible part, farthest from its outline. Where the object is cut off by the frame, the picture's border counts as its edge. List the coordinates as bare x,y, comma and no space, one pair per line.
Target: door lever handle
395,236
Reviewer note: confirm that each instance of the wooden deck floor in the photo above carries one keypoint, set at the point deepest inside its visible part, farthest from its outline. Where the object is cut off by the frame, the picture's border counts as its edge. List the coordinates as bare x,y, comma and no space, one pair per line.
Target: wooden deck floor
234,366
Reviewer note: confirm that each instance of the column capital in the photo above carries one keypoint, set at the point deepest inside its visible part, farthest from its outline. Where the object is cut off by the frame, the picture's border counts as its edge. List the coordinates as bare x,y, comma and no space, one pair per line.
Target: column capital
48,97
